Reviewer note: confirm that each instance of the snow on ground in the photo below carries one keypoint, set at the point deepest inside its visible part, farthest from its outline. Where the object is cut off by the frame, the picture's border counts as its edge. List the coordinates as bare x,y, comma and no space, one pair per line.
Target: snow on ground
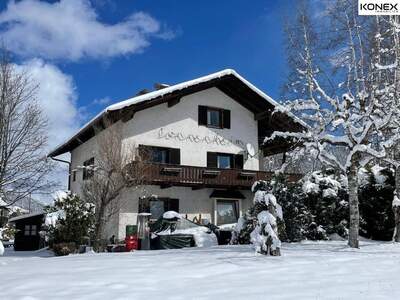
309,270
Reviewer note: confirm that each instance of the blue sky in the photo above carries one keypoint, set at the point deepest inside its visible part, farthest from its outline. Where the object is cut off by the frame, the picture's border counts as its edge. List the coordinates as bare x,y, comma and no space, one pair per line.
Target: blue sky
87,54
208,37
205,37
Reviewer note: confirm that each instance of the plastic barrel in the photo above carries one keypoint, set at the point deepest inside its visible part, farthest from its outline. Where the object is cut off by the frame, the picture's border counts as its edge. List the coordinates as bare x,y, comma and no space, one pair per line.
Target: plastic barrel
130,230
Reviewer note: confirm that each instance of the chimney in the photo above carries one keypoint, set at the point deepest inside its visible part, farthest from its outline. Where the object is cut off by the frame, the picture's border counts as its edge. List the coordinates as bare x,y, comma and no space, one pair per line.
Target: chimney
142,92
160,86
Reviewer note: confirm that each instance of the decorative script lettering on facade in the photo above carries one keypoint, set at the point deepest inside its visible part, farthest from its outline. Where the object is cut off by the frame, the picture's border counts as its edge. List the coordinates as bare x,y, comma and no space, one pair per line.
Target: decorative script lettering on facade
195,138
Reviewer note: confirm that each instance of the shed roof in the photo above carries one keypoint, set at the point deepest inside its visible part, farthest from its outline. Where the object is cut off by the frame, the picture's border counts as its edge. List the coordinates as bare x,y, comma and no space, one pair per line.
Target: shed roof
25,216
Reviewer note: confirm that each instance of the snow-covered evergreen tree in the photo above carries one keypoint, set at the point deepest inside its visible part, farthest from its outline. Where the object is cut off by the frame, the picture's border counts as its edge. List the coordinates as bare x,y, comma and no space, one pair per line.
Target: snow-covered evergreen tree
292,200
69,219
376,187
266,211
327,200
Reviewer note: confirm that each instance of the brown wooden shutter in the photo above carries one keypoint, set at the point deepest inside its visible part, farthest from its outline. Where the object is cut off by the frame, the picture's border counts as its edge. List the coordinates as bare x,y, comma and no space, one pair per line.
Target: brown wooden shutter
175,156
226,119
202,115
211,159
238,161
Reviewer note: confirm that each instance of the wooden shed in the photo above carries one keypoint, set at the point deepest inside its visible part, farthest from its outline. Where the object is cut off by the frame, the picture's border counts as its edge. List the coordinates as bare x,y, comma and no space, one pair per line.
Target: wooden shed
28,227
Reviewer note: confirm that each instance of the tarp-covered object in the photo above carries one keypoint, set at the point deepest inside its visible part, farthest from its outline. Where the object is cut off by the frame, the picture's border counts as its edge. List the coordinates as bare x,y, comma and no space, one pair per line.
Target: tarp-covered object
172,231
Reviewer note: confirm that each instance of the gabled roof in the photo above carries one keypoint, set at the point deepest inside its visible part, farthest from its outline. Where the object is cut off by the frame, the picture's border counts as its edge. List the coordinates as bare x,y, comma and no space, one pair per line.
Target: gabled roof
228,81
25,216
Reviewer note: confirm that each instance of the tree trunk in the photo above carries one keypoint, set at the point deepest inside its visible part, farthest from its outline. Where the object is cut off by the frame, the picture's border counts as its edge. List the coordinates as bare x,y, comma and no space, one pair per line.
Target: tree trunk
396,236
99,223
396,208
353,203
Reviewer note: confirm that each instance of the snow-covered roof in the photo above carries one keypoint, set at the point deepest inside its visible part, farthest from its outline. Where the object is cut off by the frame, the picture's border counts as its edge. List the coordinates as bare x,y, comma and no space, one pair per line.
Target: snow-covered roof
169,90
25,216
186,84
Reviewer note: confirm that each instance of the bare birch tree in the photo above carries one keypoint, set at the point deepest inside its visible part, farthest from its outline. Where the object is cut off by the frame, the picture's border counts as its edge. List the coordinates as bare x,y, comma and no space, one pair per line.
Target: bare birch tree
115,168
23,136
336,87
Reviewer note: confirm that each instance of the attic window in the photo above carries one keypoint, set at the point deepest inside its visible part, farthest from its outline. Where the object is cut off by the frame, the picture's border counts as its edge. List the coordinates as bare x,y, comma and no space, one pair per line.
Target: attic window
214,117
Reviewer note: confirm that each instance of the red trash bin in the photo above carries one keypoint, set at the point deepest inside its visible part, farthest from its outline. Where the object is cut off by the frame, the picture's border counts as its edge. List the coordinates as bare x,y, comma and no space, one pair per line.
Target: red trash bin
131,243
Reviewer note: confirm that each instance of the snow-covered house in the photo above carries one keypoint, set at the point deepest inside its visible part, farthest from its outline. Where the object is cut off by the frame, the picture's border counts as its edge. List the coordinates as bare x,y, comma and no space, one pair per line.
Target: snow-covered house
204,138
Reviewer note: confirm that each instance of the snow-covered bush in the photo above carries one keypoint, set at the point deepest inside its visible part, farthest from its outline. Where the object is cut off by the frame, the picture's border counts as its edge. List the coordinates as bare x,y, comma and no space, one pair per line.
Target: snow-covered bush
376,187
316,208
327,201
69,220
7,232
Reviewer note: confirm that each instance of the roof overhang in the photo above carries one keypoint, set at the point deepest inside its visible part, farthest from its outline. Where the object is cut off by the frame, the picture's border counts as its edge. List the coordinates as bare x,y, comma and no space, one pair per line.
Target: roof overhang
228,81
25,216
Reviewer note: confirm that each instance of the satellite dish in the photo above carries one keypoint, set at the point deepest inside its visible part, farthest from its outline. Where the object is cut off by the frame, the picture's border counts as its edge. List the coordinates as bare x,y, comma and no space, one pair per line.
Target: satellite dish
250,149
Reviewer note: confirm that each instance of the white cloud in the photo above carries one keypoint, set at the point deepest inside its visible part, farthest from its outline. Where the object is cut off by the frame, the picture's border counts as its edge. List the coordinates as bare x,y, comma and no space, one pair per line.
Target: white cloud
102,101
71,29
57,96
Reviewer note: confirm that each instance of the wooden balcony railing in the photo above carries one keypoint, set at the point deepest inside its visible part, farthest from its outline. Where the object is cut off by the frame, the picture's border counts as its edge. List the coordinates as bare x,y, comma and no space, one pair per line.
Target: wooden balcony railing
167,175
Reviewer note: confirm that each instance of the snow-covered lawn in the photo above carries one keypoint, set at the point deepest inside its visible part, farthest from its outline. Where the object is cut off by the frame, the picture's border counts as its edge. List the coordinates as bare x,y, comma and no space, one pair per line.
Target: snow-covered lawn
310,270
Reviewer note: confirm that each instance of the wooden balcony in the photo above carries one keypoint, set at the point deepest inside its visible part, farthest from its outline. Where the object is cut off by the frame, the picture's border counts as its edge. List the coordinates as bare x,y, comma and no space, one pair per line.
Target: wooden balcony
167,175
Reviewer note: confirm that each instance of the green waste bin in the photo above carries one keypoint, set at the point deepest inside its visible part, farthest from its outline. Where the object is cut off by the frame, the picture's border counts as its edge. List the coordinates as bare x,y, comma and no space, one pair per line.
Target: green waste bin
131,230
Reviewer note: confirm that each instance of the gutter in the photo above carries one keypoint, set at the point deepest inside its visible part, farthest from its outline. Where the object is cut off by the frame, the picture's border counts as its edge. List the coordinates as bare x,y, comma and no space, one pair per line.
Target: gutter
69,169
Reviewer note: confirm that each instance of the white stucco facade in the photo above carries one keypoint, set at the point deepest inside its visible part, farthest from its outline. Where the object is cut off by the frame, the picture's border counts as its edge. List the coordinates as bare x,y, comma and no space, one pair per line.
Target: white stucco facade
155,126
178,127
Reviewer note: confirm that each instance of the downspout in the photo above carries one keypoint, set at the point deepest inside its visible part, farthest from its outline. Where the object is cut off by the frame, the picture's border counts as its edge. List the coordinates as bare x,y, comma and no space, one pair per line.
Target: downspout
69,169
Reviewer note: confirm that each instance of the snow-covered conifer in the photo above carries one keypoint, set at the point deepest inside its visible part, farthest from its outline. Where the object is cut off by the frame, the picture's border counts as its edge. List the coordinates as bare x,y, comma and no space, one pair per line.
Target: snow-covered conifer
265,236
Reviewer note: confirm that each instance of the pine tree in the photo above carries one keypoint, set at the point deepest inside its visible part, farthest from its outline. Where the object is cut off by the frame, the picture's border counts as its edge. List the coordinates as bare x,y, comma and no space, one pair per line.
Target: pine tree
265,237
69,219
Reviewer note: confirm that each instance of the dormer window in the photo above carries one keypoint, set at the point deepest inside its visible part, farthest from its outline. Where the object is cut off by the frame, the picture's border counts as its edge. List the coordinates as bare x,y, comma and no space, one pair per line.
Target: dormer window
214,117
